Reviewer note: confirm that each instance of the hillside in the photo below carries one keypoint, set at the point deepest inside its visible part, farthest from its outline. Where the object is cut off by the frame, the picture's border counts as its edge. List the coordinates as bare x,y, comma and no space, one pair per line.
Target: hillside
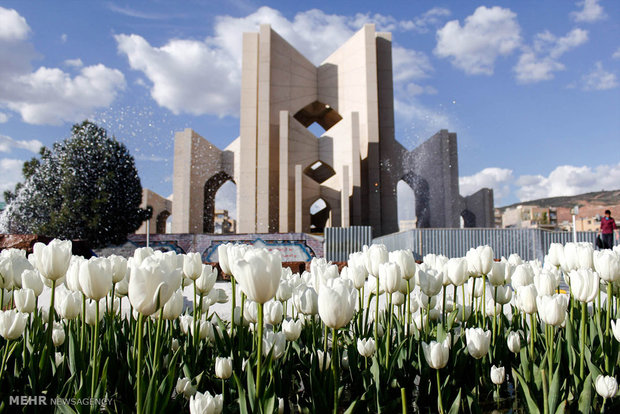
603,198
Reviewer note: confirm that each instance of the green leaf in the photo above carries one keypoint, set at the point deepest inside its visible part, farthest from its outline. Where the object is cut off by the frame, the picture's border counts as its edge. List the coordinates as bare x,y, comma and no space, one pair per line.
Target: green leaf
554,390
531,404
456,405
585,399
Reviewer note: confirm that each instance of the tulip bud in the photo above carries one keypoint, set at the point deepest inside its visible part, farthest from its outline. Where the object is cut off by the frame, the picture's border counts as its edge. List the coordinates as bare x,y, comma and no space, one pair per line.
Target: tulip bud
58,359
615,328
479,260
258,274
273,312
606,386
336,303
526,299
556,254
457,271
584,284
174,345
607,265
514,342
32,280
498,375
307,300
58,334
430,281
552,309
323,360
274,341
223,367
95,277
405,261
389,273
174,306
192,265
53,260
523,275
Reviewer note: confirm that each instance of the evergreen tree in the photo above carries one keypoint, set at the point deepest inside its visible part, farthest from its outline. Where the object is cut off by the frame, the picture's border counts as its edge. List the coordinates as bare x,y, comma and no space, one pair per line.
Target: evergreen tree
85,187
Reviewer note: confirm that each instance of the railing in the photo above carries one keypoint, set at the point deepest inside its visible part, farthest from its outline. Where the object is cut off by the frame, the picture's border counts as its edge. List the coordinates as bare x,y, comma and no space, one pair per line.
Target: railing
341,241
527,243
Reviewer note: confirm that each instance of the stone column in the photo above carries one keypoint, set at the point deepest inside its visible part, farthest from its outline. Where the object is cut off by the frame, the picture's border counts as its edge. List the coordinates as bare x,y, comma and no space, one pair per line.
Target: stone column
298,199
344,198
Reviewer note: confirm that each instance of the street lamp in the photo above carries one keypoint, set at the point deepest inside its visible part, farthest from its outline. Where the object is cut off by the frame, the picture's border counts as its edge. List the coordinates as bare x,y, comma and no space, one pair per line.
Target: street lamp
574,211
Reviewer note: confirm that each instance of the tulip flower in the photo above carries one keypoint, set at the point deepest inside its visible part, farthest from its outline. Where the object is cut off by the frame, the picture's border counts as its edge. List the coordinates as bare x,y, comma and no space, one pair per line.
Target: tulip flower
514,342
285,291
498,273
174,306
606,386
523,275
366,347
205,403
258,274
53,260
184,386
615,327
206,280
25,300
375,255
192,265
95,278
151,285
437,353
478,342
546,283
72,279
405,261
223,367
555,256
457,271
58,334
274,342
323,359
273,312
390,275
119,267
292,329
12,324
68,304
526,299
32,280
584,284
552,309
94,312
430,281
498,375
59,358
337,303
13,263
479,260
307,300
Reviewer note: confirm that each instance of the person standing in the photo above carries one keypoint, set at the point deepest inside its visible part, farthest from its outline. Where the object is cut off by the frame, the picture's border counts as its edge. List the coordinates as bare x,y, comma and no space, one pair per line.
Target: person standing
608,225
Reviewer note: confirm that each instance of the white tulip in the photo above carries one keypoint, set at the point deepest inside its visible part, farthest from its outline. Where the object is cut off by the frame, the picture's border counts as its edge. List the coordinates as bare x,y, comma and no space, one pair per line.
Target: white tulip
430,281
523,275
526,299
52,261
13,263
366,347
437,353
285,290
192,265
552,309
25,300
375,255
292,329
337,302
478,342
356,274
607,265
546,283
95,277
556,254
503,295
258,274
174,306
606,386
615,328
457,271
479,260
151,285
68,304
91,311
307,300
32,280
119,267
72,278
323,359
273,312
223,367
515,260
58,359
389,273
140,254
584,284
498,375
514,342
274,341
404,259
184,386
12,324
58,334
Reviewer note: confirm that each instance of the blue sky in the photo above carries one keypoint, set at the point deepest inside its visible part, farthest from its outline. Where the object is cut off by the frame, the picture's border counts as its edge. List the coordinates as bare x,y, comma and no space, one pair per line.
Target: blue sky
531,88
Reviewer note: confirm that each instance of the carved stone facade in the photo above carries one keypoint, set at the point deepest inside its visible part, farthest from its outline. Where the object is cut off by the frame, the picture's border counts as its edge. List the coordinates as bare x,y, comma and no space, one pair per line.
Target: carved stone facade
281,168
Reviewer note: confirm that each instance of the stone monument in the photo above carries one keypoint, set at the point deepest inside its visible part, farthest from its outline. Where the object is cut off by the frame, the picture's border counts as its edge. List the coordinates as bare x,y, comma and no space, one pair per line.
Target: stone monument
281,168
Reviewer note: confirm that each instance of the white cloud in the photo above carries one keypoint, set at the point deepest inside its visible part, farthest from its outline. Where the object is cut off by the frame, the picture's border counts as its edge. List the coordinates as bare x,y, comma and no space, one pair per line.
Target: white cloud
48,95
415,89
4,117
599,79
11,172
486,35
616,54
7,144
540,61
566,180
76,63
203,77
12,25
591,11
499,179
63,38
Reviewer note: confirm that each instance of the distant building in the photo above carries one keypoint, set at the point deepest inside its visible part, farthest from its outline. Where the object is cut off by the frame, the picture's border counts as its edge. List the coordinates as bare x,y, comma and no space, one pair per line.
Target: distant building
224,224
530,217
407,224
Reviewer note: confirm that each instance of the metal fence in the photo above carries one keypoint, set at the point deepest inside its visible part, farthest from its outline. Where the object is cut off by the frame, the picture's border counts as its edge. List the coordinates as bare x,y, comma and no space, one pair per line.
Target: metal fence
341,241
527,243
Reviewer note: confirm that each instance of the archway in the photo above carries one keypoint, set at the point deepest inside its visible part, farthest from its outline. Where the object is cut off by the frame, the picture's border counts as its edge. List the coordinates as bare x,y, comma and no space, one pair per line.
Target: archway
324,115
160,222
468,219
319,171
421,191
320,216
212,186
224,217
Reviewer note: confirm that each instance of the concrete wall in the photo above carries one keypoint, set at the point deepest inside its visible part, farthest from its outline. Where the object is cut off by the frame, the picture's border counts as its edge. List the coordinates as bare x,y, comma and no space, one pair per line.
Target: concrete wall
159,205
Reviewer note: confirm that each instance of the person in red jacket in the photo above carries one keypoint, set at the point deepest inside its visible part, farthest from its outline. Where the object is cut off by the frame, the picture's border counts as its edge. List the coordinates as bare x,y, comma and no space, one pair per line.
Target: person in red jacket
608,225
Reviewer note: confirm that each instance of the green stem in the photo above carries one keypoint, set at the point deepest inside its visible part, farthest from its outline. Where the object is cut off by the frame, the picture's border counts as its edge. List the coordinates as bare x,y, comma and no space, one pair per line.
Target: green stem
609,302
94,355
473,290
335,367
233,286
545,392
83,322
408,308
50,317
259,355
389,334
140,340
443,308
439,392
484,301
582,339
4,356
403,401
532,336
1,298
157,335
463,315
195,322
494,313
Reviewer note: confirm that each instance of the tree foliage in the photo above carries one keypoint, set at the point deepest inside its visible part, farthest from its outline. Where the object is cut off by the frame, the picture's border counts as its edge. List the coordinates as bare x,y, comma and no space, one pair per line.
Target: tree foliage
85,187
